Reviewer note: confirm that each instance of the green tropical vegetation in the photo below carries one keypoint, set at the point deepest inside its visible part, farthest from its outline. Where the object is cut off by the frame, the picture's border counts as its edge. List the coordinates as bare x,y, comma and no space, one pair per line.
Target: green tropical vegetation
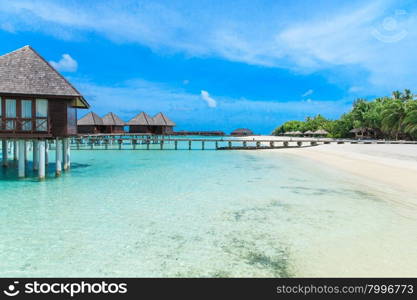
392,117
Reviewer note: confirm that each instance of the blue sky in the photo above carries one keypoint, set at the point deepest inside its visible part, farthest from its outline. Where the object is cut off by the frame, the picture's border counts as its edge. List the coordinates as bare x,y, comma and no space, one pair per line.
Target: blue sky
219,65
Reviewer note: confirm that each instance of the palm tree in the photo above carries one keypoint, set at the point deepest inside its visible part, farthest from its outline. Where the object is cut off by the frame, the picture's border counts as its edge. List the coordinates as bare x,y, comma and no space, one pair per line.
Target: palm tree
407,95
393,116
396,95
410,120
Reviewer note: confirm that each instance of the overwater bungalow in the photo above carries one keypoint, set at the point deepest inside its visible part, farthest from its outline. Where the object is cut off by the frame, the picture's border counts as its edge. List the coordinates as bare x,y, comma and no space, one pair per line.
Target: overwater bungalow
36,104
143,123
91,123
162,124
113,124
241,132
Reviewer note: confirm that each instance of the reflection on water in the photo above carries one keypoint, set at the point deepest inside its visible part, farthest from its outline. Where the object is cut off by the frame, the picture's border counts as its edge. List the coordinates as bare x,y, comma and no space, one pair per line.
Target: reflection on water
201,213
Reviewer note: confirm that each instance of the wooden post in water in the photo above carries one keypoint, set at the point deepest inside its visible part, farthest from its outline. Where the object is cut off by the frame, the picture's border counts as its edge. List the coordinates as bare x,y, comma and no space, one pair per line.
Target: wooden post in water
217,145
5,154
176,144
120,141
22,160
147,144
35,152
46,152
245,144
41,171
162,144
134,142
15,150
202,145
189,145
66,149
58,157
230,145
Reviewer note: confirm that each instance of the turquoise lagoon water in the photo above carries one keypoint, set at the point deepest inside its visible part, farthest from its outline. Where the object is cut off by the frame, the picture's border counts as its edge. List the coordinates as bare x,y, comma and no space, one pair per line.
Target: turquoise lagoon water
202,214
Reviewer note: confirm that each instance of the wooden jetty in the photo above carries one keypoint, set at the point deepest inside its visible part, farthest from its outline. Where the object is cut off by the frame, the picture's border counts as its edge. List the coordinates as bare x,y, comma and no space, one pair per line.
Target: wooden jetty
154,142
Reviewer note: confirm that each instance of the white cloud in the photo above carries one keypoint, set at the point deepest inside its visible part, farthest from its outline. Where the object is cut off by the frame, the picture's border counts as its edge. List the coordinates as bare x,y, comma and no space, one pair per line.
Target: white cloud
65,64
308,93
210,101
338,40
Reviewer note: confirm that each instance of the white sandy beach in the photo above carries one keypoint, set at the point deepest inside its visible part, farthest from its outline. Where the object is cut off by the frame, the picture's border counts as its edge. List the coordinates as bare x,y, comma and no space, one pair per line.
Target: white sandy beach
394,165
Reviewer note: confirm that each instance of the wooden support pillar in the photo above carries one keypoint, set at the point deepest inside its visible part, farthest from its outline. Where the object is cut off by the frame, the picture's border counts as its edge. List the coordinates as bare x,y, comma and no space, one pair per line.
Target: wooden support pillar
202,145
66,154
41,152
147,144
77,141
5,153
134,142
271,144
230,145
176,145
35,152
162,144
189,145
26,152
22,160
258,144
120,141
15,150
46,153
245,144
217,145
58,157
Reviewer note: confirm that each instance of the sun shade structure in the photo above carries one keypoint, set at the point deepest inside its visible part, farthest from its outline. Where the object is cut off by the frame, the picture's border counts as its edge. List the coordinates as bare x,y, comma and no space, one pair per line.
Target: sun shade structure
113,124
321,132
241,132
90,123
40,102
308,132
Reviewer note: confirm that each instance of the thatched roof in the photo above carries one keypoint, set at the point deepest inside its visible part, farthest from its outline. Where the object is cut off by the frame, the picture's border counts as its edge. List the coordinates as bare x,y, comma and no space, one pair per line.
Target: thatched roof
113,120
141,119
91,119
296,132
25,72
242,131
321,132
162,120
308,132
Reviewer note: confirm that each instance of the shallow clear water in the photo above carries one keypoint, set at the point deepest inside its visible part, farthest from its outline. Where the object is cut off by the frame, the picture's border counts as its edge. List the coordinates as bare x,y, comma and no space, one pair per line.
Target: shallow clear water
201,213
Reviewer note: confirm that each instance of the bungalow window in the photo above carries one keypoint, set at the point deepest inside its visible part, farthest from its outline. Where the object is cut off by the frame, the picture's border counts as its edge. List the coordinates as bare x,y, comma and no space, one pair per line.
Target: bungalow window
26,115
41,115
10,114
